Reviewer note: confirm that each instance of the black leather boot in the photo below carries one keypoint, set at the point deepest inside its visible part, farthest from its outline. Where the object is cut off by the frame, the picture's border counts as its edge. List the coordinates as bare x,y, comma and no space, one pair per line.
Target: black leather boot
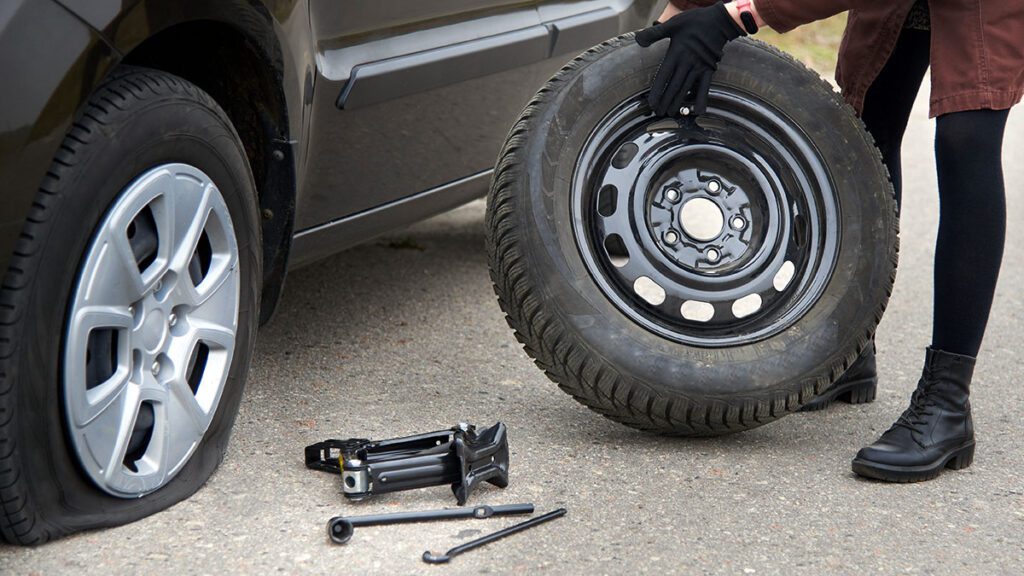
934,433
858,385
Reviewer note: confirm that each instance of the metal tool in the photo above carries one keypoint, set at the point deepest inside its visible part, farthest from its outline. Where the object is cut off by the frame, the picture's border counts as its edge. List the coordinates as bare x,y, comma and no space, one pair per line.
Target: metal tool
430,558
459,456
340,528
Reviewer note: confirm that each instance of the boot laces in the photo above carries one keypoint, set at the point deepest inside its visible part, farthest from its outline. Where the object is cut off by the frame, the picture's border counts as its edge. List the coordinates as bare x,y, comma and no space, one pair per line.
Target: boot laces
921,402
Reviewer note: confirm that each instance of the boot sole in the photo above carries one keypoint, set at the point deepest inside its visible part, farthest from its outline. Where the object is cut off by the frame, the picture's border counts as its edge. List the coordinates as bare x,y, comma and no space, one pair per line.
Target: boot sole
854,392
955,460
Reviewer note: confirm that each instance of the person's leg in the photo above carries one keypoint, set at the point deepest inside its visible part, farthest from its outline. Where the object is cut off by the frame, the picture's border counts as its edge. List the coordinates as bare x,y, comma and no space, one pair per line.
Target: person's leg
937,431
972,226
887,106
891,96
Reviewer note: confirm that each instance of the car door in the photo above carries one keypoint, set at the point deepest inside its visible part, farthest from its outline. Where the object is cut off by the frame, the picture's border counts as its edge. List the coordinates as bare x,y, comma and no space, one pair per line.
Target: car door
412,95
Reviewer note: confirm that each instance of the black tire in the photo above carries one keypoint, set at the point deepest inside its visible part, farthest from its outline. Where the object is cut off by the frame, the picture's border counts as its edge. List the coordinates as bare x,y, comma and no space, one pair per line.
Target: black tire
596,351
138,119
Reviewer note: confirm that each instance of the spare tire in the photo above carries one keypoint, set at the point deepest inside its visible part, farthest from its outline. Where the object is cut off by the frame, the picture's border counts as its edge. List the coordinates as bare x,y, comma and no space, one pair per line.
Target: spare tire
692,278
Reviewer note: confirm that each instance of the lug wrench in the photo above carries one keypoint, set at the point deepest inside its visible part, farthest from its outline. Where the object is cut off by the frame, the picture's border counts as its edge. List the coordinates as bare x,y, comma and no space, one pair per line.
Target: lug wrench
340,528
430,558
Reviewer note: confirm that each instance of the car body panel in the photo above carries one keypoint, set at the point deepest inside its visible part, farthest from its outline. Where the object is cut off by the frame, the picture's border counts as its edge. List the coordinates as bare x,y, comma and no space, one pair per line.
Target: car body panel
404,110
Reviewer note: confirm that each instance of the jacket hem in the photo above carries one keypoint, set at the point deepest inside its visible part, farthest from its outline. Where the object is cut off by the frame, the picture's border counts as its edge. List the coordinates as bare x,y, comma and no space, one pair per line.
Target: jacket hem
974,100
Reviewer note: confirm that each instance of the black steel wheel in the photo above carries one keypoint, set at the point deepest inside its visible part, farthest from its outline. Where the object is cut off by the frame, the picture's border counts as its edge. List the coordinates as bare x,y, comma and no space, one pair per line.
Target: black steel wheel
715,234
691,276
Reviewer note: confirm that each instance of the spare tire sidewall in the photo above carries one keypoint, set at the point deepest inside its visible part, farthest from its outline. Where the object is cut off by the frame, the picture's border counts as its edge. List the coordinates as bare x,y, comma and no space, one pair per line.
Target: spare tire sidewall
839,323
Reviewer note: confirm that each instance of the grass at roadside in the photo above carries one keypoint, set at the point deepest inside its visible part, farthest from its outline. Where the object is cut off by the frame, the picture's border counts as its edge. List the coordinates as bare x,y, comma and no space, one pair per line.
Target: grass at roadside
815,44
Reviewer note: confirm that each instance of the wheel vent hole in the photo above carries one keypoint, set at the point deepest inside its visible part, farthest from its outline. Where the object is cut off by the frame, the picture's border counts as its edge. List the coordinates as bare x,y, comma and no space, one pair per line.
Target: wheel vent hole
625,155
197,365
799,230
199,265
649,290
616,249
784,276
143,238
142,433
100,356
746,306
697,311
607,200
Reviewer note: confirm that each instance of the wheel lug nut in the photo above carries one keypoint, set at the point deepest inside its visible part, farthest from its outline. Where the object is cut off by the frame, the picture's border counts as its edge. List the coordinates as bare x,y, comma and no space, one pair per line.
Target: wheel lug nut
738,223
672,195
684,111
159,285
713,255
671,237
714,186
172,319
156,368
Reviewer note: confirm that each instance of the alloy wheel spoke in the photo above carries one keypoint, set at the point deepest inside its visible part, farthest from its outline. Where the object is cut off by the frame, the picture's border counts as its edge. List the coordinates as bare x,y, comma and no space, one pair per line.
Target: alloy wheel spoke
183,403
220,337
85,402
215,287
114,276
108,434
191,209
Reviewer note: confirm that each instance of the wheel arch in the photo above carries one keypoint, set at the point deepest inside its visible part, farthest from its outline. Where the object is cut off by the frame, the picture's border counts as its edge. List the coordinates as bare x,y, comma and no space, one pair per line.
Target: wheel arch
233,51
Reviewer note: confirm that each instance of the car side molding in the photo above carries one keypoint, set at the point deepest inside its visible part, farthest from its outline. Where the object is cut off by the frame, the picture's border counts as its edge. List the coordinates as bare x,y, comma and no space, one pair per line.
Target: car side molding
388,79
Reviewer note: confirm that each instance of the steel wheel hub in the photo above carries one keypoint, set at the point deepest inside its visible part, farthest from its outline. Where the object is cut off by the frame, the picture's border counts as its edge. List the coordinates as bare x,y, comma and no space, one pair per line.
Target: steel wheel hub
715,234
151,330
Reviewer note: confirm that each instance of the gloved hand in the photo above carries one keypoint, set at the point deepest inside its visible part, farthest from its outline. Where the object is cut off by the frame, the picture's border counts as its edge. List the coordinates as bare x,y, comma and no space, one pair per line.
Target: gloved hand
697,39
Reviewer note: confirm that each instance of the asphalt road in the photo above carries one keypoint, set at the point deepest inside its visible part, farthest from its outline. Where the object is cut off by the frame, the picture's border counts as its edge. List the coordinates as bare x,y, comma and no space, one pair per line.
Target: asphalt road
403,335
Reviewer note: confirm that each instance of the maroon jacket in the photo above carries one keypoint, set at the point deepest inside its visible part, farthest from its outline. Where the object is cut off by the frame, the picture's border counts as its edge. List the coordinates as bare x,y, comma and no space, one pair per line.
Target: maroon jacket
977,52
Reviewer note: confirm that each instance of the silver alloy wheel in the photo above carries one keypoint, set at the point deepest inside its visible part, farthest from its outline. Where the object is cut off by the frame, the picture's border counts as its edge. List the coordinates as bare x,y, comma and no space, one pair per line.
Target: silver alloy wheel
151,330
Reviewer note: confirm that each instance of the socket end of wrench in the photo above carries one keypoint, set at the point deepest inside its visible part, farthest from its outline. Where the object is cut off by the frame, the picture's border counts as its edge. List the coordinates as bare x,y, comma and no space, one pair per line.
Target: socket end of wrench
340,530
429,558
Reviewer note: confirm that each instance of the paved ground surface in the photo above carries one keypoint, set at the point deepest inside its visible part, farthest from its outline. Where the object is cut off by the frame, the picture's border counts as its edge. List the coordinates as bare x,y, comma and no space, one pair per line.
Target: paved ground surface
403,335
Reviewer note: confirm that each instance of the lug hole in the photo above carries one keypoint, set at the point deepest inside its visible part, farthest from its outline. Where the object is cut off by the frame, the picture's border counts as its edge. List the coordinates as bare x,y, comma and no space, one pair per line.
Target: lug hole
164,286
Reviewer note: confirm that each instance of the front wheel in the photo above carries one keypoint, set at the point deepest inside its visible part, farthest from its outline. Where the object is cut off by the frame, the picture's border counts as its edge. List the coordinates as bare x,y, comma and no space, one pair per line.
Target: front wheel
129,312
689,277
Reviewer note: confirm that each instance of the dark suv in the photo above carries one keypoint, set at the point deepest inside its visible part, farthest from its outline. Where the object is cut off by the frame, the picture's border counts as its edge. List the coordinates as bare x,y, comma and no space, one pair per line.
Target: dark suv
165,162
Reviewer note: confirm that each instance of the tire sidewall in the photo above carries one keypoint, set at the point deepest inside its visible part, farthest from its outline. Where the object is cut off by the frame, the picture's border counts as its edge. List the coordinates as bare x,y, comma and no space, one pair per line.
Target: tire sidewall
173,128
819,342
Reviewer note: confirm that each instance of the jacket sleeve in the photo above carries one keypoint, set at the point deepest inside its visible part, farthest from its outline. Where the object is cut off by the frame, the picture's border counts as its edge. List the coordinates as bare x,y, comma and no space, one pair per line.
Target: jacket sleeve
784,15
687,4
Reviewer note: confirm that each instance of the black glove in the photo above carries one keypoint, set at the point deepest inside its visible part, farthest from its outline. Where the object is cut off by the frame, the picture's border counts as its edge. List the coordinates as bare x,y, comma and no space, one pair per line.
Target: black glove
698,37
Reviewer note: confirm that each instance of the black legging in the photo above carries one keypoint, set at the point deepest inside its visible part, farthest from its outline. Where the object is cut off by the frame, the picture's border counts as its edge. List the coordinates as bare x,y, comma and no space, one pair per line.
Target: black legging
972,202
